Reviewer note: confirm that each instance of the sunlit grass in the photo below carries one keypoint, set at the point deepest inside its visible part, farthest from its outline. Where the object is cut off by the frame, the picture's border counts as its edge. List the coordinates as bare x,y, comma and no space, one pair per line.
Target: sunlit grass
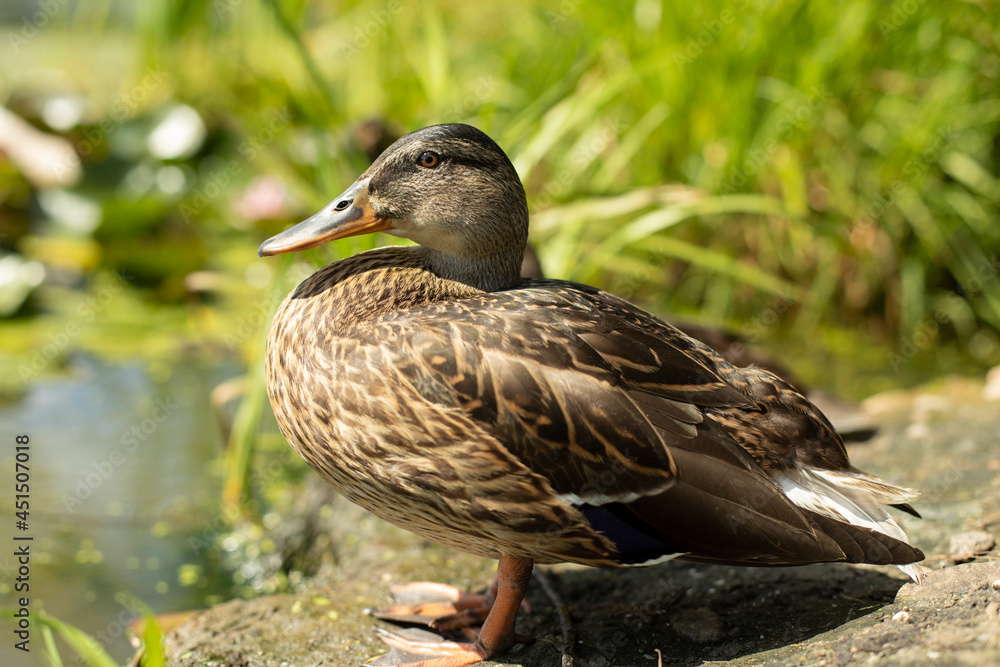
848,150
706,159
874,139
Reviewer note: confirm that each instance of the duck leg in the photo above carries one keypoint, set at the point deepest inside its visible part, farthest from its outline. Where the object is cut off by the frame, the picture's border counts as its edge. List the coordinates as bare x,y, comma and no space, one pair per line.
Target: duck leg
497,634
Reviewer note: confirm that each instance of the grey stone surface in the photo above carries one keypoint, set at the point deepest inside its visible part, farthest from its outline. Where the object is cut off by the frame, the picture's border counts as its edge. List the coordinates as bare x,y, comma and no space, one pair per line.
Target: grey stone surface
942,440
966,546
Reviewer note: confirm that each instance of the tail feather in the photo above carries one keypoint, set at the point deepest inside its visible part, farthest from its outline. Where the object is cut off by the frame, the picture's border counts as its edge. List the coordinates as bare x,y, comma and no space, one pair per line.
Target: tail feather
905,507
850,507
882,491
863,545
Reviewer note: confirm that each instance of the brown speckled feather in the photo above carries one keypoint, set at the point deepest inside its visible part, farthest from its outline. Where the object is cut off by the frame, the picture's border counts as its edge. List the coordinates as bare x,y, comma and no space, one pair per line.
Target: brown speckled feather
541,419
502,415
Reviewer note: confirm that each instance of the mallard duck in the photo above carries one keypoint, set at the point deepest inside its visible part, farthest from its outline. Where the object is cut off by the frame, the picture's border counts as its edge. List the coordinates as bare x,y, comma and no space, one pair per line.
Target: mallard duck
540,421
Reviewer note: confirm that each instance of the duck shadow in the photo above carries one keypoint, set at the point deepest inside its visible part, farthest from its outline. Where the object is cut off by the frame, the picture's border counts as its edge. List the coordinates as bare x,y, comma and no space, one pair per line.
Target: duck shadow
692,613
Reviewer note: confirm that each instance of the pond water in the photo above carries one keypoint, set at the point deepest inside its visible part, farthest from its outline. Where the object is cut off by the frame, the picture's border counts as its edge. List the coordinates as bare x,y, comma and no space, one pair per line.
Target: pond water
124,486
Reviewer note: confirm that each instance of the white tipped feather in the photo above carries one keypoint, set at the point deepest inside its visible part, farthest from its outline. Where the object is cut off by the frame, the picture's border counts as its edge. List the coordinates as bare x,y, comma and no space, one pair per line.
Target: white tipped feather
911,571
883,492
654,561
597,499
853,497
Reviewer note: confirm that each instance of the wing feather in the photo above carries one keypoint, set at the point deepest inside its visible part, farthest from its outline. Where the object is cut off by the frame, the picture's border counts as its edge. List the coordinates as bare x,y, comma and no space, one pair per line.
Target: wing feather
646,432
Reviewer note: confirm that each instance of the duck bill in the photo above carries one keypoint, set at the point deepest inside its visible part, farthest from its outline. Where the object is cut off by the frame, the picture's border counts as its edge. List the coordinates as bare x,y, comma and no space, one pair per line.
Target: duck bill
350,214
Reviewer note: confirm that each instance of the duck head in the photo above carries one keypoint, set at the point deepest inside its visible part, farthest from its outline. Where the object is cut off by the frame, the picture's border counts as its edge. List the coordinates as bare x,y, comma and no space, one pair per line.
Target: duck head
449,188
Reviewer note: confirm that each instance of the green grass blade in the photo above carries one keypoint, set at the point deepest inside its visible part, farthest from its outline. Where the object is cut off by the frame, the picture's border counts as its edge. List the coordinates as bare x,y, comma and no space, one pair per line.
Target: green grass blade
657,221
631,144
51,654
722,264
88,648
152,641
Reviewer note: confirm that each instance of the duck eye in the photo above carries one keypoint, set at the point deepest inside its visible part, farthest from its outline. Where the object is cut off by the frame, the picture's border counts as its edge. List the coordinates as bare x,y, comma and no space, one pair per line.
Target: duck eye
429,160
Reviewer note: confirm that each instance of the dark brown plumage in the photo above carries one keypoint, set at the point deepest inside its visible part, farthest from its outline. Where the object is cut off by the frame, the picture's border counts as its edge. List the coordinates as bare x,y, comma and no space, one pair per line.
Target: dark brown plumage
540,420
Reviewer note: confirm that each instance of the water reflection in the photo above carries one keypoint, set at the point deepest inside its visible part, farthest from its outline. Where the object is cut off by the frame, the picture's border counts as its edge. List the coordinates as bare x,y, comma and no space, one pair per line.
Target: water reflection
124,470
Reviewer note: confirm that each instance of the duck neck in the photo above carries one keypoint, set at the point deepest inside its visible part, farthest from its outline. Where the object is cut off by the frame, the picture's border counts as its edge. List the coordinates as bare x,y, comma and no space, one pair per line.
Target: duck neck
494,272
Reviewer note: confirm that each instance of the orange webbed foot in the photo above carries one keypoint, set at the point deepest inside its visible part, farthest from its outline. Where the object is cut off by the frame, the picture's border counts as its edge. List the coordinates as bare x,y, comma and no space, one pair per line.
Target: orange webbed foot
496,611
428,650
413,645
437,606
440,607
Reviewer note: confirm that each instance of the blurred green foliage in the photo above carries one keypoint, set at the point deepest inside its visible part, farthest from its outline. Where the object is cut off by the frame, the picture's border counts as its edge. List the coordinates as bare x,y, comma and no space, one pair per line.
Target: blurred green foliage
824,173
822,178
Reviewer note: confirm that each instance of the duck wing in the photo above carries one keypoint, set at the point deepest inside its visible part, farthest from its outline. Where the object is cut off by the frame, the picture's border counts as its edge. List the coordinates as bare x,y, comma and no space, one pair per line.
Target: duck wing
617,413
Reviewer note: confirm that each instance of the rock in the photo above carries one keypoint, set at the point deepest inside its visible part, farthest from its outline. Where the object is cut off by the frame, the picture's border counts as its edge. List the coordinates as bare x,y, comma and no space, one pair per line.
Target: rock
966,546
938,585
991,391
831,614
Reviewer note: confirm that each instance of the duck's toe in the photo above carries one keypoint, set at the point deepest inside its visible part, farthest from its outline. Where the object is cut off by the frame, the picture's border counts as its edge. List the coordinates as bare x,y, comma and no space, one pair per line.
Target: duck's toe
497,609
438,606
417,648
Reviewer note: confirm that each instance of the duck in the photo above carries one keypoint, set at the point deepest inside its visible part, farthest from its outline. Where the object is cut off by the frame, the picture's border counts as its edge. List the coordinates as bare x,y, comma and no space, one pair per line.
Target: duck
540,420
